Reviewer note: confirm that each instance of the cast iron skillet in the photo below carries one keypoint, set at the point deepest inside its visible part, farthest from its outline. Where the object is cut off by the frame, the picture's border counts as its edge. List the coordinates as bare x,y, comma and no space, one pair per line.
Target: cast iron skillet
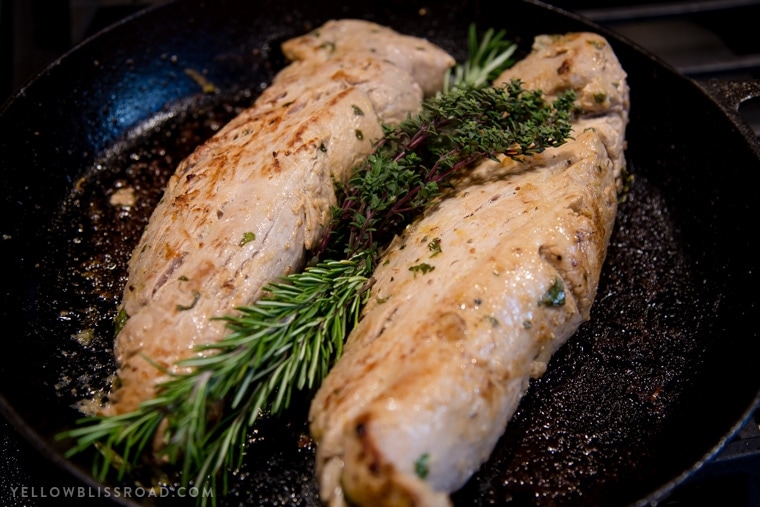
650,388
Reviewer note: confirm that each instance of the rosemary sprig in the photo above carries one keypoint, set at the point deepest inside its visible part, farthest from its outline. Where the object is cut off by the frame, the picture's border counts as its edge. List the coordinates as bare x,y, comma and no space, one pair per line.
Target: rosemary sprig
285,341
485,61
288,339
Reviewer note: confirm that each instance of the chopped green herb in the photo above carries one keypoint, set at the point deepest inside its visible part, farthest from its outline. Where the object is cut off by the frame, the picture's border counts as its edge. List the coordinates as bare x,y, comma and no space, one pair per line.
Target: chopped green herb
359,134
121,318
423,268
196,297
247,238
329,46
555,296
422,466
357,110
435,246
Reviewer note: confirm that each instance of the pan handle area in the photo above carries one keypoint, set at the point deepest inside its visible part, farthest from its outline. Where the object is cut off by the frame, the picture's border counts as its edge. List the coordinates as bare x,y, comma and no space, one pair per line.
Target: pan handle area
732,96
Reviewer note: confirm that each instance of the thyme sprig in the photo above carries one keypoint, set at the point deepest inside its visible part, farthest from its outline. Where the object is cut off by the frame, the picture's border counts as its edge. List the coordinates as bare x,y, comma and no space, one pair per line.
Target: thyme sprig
287,340
414,159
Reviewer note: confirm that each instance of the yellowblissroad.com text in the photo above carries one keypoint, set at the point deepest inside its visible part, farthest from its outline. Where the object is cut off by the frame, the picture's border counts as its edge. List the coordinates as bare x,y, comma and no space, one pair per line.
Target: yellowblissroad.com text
64,492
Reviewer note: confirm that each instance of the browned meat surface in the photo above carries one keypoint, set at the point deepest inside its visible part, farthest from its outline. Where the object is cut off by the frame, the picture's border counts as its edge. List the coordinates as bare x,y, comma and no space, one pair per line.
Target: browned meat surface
411,54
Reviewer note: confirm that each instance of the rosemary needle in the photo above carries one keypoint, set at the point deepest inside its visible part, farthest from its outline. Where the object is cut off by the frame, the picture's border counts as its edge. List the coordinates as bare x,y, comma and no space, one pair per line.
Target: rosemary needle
288,340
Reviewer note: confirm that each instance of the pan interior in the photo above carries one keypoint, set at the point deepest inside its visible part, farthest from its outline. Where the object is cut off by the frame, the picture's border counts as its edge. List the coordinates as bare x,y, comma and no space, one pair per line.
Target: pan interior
648,386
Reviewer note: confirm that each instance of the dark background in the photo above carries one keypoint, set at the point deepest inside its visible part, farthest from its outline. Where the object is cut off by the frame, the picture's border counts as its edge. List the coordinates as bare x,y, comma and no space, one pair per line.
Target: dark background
699,38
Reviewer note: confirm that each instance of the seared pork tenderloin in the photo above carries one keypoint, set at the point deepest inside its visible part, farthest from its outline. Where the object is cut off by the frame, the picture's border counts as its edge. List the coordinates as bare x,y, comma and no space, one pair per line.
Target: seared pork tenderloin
243,209
470,302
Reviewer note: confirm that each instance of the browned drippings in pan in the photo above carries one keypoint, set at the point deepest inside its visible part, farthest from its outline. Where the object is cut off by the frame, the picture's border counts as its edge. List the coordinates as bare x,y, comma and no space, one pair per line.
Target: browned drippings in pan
653,384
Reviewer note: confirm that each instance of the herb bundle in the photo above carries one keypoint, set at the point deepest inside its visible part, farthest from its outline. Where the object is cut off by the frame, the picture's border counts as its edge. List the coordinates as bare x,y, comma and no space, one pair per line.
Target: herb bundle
289,339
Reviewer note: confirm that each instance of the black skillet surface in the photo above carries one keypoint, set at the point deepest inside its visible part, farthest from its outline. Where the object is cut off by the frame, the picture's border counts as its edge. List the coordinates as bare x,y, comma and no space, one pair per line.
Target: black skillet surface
657,381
